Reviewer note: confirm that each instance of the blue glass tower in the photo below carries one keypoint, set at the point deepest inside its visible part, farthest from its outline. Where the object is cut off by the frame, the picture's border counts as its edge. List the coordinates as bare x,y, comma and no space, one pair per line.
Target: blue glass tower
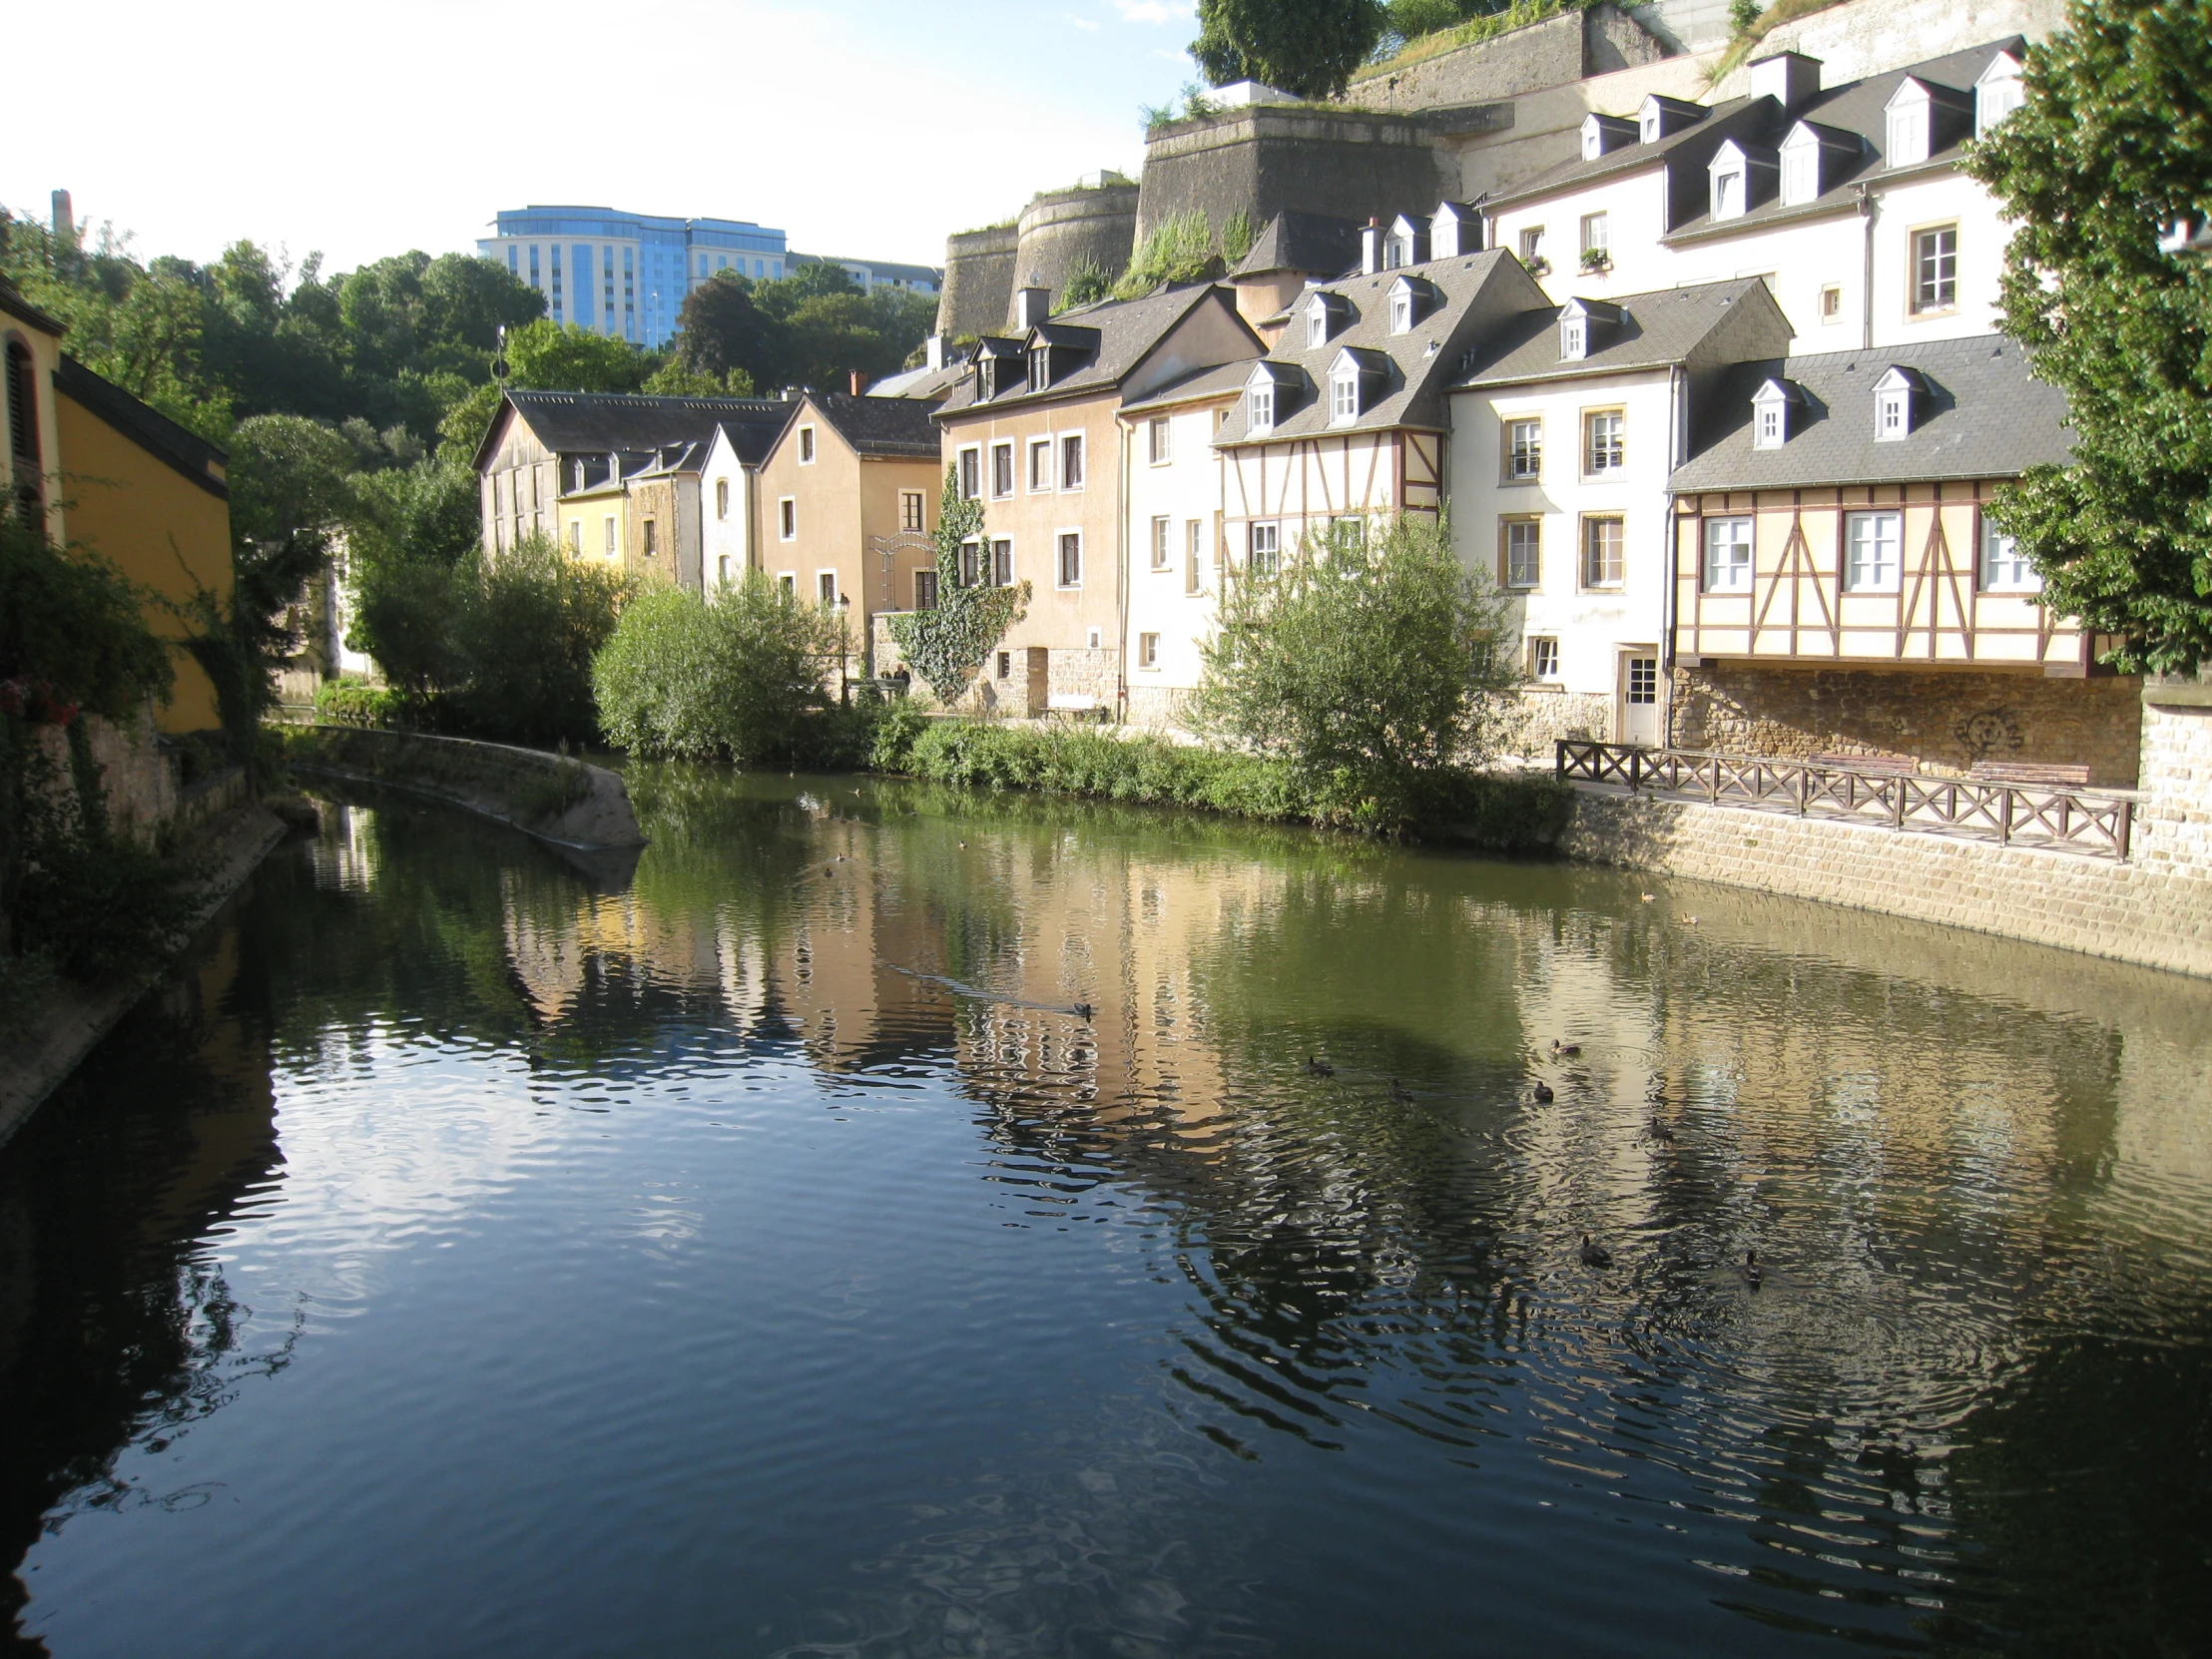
625,275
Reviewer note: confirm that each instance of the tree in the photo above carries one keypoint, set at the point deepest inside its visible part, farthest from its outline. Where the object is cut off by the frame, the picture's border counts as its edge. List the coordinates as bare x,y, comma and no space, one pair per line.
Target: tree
949,646
721,330
1306,47
555,357
1375,674
2114,139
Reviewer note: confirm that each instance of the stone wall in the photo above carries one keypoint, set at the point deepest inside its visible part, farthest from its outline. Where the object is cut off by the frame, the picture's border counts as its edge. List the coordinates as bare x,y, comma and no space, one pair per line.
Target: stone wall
1544,717
2155,915
1549,52
2174,821
1158,707
1266,159
1064,229
138,776
1075,672
1944,721
978,282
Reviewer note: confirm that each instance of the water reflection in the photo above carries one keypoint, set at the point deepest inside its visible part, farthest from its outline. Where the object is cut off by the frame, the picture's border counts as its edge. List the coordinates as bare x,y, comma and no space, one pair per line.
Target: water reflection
1180,1345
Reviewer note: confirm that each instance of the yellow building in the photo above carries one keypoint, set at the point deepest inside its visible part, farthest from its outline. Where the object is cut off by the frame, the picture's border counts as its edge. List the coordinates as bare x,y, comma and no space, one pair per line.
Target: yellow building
124,481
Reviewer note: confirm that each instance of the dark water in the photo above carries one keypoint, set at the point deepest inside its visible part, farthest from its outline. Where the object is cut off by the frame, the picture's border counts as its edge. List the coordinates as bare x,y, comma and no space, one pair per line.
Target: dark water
478,1255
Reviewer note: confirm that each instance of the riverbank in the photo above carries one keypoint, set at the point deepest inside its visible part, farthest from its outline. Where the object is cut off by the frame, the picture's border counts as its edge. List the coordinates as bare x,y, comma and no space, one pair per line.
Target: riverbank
70,1019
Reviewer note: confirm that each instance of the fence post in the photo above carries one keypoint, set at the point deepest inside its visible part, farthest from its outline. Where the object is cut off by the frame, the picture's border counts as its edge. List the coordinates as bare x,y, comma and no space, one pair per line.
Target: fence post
2004,819
1559,759
2123,827
1896,803
1804,791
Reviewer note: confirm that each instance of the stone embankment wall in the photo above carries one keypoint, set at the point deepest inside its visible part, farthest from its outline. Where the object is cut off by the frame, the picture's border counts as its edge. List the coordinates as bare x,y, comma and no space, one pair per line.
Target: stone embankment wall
1944,721
1065,231
978,282
2156,909
551,796
1568,47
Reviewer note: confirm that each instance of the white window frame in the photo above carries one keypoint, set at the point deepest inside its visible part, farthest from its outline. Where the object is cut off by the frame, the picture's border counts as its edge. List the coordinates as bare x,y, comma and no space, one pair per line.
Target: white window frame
1944,283
1162,530
1730,196
787,518
1999,551
1401,311
1530,244
1316,323
1574,338
1193,569
1615,454
1893,415
1002,447
1730,555
1543,659
1517,453
967,461
1040,477
1597,233
1861,575
1073,446
1060,557
722,498
613,545
1801,174
1521,569
806,445
1159,440
1263,548
1148,651
1260,407
1343,397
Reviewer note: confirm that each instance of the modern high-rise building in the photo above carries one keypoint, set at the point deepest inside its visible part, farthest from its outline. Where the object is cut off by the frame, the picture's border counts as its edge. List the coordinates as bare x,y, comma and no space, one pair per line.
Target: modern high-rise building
621,274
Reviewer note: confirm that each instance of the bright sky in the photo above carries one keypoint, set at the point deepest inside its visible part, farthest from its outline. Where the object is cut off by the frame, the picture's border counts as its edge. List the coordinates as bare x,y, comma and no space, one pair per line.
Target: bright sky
866,127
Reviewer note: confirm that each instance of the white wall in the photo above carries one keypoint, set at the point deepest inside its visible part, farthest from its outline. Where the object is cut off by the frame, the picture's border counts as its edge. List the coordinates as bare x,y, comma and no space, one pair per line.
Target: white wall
723,535
1185,490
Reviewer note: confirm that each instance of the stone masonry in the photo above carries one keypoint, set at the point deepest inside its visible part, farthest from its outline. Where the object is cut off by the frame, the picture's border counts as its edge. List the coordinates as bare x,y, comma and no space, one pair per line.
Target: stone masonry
1944,721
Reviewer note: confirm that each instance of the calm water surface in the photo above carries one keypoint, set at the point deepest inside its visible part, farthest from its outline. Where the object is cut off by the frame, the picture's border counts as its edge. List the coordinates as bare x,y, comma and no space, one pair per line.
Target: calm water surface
755,1254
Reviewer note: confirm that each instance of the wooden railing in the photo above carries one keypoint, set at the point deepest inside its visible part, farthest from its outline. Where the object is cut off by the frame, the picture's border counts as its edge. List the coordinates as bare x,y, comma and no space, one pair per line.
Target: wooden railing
2039,814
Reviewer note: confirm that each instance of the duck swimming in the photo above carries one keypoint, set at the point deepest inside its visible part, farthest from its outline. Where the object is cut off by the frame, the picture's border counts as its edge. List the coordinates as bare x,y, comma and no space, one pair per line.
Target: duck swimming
1754,1273
1544,1094
1398,1091
1595,1255
1318,1067
1565,1050
1660,1132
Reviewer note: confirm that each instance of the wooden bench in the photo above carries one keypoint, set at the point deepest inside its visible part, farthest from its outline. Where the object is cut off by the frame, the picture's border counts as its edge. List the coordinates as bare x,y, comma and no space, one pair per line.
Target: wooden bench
2029,772
1891,766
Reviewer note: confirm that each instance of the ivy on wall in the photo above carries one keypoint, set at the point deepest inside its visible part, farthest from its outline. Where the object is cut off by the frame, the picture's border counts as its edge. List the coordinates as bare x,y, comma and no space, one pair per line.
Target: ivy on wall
949,646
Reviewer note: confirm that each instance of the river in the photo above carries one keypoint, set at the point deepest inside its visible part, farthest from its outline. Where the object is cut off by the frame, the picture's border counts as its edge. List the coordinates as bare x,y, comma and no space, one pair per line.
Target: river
887,1222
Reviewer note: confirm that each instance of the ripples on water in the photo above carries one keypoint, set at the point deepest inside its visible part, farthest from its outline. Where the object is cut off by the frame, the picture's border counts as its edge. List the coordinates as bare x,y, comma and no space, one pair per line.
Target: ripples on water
479,1255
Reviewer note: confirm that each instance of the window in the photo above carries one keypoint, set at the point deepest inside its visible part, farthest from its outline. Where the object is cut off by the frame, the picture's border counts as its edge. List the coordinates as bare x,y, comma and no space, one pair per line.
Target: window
1907,130
1148,649
1604,545
1002,470
1071,461
1401,311
1728,194
1770,416
1532,246
722,570
1040,464
576,535
1892,414
1266,557
1574,338
925,590
1006,664
787,518
971,563
971,474
2005,568
825,584
610,537
1605,433
1343,397
1643,681
1832,303
1873,543
1040,368
1524,450
1158,436
1002,563
788,582
1543,657
1728,555
1260,411
1316,323
1936,270
1597,235
805,446
722,498
1998,93
652,538
1160,543
1801,173
1071,558
1521,541
909,510
1193,544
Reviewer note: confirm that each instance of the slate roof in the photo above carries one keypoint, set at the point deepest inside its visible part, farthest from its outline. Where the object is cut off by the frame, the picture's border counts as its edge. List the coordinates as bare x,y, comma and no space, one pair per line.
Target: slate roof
1982,417
1312,243
750,441
601,423
1473,295
886,429
181,451
1854,107
1205,383
1654,330
1128,329
926,385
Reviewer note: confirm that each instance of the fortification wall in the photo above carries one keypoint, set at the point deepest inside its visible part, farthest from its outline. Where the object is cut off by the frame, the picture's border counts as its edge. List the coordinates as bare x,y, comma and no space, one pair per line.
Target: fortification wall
1064,229
1865,37
978,282
1267,158
1549,52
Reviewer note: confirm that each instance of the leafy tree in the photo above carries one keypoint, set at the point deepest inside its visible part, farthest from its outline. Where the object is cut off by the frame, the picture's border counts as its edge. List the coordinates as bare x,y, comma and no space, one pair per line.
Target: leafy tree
1373,674
1306,47
721,330
2115,138
949,646
558,357
525,629
672,379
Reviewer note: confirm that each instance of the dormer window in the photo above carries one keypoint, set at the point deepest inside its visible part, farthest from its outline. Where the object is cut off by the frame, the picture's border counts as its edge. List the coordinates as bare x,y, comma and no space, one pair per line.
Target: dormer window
1408,294
1997,93
1893,406
1594,139
1405,245
1325,314
1906,117
1602,134
1574,338
1040,367
1658,117
1770,415
1578,322
1356,378
1800,166
1344,397
1731,196
1260,408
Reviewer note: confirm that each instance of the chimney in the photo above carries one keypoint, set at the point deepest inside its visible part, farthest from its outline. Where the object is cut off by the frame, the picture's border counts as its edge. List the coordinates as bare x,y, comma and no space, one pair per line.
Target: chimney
65,220
932,352
1789,78
859,383
791,394
1370,248
1031,306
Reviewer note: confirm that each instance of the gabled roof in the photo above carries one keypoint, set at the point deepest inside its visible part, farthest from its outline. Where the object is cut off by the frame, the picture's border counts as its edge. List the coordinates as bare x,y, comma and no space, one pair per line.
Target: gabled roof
880,429
1313,244
181,451
921,385
1855,108
1221,381
1686,325
594,422
13,303
1473,296
1981,416
1127,330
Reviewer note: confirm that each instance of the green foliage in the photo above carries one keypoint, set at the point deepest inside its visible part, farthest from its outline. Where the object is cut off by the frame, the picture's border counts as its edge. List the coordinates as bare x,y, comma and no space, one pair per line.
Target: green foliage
948,646
892,748
525,629
95,906
1306,47
672,379
1088,283
1181,249
555,356
812,327
354,703
1236,237
2115,138
1371,673
743,675
73,628
1742,16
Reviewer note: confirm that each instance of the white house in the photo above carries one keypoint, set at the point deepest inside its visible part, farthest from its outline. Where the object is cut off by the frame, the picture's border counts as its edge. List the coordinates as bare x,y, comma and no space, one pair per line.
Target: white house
730,510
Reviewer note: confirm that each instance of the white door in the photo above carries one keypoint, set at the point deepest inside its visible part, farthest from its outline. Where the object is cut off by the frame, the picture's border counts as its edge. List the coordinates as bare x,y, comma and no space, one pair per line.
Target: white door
1639,699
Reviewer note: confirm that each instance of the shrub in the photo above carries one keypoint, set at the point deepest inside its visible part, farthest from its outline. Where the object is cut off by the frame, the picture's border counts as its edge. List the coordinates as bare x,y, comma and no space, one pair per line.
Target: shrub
526,627
1087,283
350,703
1181,249
1370,672
742,676
95,907
891,745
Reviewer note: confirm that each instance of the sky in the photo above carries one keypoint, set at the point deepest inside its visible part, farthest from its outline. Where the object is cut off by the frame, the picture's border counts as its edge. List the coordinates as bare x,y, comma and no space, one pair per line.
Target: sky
863,127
